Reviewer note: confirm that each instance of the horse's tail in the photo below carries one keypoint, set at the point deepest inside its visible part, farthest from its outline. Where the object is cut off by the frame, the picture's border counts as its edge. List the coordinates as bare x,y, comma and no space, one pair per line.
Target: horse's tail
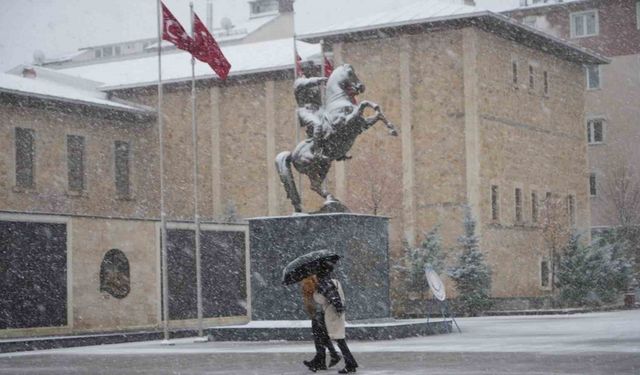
283,165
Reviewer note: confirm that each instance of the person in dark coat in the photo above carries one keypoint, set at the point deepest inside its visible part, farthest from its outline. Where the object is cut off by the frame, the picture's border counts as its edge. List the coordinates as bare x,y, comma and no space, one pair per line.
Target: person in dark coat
320,336
330,296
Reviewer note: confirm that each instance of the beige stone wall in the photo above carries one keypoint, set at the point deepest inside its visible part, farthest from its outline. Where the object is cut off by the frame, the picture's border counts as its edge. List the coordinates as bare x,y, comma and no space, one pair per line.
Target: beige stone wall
95,310
51,194
617,103
531,141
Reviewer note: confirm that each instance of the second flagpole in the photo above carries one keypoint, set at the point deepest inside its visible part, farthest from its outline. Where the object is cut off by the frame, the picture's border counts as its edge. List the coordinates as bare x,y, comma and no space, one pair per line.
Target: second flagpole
196,214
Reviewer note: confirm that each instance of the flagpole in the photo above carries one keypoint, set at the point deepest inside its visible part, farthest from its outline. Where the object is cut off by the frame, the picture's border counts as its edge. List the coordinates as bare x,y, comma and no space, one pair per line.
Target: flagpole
196,215
295,76
163,221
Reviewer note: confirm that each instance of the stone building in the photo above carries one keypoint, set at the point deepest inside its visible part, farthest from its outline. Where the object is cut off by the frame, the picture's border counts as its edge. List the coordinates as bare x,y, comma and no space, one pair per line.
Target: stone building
490,114
79,217
612,129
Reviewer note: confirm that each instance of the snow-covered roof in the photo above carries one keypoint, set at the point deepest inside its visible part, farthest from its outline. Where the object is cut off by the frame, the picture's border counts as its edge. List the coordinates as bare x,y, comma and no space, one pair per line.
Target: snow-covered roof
385,16
53,86
176,67
542,5
432,12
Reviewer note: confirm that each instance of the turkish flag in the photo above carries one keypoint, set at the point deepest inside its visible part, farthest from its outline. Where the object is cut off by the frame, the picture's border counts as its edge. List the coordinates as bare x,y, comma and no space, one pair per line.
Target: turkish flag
328,67
173,32
206,49
299,72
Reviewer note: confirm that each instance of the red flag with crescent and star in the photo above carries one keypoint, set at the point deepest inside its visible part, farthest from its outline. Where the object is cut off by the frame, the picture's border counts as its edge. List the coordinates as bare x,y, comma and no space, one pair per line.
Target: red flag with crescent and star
206,49
172,31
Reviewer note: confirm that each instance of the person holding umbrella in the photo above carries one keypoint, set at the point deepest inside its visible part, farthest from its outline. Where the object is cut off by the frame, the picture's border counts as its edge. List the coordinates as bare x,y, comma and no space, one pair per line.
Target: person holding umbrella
320,335
328,295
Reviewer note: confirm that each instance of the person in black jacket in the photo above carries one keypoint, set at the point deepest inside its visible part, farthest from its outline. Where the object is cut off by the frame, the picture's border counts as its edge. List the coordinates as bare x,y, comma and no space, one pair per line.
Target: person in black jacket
320,336
331,297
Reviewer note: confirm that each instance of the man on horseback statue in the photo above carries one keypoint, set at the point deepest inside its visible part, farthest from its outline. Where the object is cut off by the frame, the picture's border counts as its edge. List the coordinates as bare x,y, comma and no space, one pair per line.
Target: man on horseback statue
331,127
309,99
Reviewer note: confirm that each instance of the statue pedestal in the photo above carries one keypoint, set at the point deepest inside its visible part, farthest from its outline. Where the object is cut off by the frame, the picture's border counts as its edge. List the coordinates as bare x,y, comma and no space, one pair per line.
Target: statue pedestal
361,240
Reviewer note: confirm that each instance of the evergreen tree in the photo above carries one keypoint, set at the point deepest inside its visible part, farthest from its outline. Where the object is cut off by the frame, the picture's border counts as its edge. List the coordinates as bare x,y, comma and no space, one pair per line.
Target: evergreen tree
592,274
472,275
428,253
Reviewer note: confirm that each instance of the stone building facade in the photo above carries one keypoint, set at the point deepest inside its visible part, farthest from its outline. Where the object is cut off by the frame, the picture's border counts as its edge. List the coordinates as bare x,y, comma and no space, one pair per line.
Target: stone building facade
470,123
612,95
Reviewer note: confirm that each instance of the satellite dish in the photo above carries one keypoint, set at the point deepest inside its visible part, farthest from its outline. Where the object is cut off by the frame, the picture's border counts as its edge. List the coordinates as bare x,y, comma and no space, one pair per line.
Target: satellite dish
38,57
226,23
435,283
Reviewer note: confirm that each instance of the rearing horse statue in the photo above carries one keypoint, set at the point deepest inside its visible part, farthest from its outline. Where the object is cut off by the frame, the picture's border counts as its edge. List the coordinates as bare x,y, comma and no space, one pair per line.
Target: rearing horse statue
332,130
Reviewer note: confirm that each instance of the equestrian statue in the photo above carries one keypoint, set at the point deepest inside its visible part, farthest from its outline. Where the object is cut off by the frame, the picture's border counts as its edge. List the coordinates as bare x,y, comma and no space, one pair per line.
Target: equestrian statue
331,129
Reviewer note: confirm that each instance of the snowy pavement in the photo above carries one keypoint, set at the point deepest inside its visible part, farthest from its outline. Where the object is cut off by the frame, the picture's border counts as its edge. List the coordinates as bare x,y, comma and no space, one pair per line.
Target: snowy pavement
593,343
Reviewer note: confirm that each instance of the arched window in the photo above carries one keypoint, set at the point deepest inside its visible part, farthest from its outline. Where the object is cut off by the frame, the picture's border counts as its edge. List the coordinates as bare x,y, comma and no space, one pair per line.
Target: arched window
114,274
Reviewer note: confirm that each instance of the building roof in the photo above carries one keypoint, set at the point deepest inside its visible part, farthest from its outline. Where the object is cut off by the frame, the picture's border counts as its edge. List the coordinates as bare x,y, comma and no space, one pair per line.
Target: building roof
176,67
541,5
50,85
434,13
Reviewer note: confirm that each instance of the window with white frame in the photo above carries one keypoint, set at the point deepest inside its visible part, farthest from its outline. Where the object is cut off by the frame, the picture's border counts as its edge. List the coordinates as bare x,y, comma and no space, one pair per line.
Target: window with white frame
571,209
584,24
593,76
595,130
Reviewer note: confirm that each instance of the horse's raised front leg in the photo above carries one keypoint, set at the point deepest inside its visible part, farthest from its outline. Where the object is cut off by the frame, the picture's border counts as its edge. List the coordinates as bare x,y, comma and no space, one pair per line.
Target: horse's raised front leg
379,116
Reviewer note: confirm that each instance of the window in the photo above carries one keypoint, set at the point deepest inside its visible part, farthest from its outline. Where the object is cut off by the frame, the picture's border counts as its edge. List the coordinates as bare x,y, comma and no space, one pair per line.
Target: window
595,131
263,6
122,169
75,163
514,72
534,207
531,78
495,208
571,209
638,14
545,274
25,158
98,53
518,205
114,274
593,76
545,77
107,51
584,24
118,51
530,21
592,185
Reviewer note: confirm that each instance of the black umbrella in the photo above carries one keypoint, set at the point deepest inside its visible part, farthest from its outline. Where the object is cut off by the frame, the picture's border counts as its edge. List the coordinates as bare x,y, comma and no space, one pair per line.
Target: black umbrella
307,265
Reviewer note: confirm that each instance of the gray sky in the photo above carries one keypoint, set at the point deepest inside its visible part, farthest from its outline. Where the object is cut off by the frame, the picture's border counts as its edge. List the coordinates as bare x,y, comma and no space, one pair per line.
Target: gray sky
57,27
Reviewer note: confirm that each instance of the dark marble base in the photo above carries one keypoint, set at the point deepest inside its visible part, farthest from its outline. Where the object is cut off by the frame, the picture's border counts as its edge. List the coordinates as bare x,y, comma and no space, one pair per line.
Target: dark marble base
366,332
361,240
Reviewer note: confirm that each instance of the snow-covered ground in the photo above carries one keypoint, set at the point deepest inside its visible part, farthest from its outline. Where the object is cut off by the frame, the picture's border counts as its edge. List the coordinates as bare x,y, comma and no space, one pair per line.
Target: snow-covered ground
612,332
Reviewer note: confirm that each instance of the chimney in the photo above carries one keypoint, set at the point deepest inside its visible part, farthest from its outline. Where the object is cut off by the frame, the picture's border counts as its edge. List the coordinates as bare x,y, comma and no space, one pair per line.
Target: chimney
29,72
285,6
470,2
